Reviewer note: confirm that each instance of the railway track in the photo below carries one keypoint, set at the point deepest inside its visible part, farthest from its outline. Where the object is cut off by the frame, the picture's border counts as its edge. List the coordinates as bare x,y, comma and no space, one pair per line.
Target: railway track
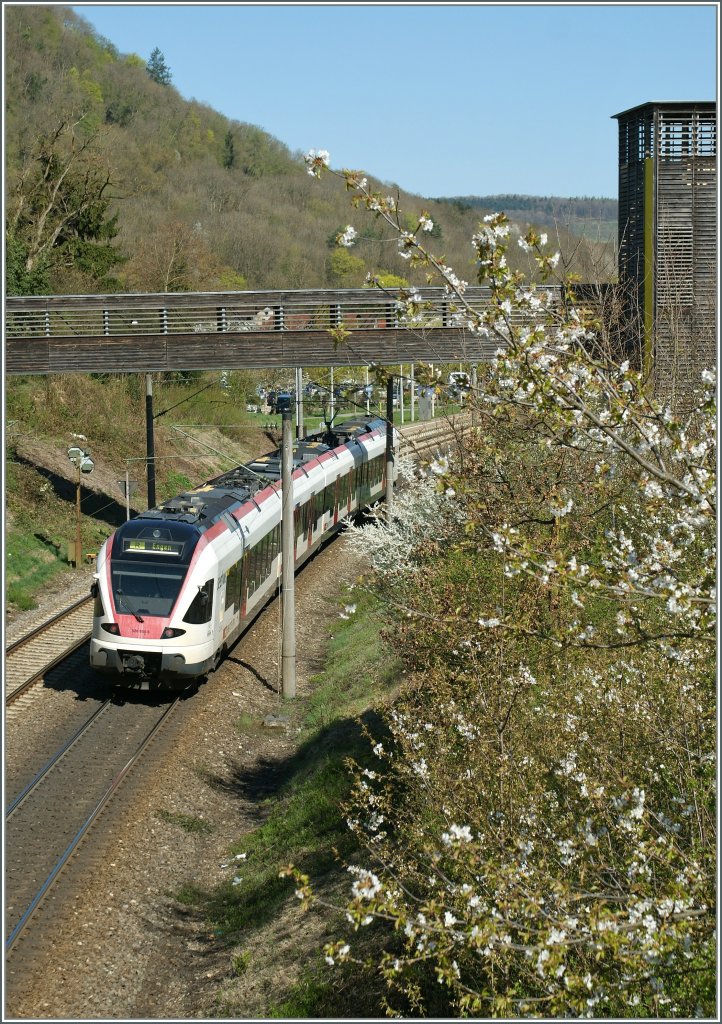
48,816
47,820
422,438
28,659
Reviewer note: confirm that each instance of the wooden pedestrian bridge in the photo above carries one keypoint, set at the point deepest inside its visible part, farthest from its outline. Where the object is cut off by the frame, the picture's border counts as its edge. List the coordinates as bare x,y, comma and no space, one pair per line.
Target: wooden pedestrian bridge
136,333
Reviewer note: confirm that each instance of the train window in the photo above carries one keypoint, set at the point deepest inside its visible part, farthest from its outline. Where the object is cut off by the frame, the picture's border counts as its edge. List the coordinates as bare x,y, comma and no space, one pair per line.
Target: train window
233,585
146,588
253,567
264,560
248,568
201,607
363,482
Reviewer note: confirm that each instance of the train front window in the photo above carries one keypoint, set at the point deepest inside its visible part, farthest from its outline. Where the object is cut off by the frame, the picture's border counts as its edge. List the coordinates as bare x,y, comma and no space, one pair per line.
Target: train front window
149,562
146,589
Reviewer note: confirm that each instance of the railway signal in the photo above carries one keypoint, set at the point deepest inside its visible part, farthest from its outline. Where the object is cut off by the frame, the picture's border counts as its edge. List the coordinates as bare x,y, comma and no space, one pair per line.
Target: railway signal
84,464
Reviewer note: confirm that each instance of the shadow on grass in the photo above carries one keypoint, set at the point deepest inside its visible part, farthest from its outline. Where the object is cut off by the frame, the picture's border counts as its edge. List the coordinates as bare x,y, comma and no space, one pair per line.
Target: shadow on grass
94,504
297,803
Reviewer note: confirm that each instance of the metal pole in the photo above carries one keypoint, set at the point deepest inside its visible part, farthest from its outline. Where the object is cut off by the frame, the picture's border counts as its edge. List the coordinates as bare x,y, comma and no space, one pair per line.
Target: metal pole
368,397
78,540
333,397
300,432
413,392
127,496
389,440
150,442
474,381
401,392
288,597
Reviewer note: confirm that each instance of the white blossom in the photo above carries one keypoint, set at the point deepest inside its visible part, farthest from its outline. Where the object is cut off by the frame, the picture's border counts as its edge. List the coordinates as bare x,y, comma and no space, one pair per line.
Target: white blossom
347,236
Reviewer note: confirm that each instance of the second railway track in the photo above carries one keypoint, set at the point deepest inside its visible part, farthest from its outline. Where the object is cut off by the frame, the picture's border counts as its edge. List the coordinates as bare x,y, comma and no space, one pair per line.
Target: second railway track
32,655
48,819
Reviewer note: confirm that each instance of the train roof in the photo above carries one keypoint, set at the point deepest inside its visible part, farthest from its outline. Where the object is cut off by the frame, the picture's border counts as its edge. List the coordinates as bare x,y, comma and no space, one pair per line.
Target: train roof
269,466
202,506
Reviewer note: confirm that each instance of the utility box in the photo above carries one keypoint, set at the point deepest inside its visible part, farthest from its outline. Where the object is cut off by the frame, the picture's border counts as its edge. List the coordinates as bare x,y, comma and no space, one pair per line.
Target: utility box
74,556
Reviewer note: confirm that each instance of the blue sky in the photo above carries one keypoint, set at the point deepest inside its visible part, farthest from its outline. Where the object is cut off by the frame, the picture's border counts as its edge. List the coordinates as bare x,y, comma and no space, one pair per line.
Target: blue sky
441,99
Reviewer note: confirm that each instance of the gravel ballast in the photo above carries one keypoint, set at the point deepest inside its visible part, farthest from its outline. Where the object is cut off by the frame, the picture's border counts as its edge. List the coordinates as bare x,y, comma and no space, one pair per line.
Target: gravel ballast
121,946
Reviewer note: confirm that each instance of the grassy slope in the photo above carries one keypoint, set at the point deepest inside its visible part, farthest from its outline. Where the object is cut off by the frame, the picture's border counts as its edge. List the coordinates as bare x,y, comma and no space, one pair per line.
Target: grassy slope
305,826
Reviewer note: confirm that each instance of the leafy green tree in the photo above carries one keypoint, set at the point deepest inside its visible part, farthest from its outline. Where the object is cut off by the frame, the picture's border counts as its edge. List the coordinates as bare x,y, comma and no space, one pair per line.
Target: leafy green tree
158,69
385,279
229,154
344,270
18,279
59,209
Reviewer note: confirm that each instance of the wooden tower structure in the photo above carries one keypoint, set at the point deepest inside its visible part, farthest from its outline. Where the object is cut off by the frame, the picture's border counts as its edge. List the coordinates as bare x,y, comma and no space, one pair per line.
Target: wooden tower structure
668,237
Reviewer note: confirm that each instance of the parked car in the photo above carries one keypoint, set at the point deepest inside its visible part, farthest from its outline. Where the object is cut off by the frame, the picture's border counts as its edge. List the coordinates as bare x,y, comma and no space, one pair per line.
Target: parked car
279,401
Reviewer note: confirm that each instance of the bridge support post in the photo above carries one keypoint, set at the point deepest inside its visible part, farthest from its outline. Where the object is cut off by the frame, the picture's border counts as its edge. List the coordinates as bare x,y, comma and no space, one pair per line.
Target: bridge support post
288,595
300,430
150,440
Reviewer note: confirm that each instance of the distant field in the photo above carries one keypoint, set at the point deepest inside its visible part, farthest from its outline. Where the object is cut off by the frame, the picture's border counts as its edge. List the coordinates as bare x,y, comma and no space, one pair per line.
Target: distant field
594,230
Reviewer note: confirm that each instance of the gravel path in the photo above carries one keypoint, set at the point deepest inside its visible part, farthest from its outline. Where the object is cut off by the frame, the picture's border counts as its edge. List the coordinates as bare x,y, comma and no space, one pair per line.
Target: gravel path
125,949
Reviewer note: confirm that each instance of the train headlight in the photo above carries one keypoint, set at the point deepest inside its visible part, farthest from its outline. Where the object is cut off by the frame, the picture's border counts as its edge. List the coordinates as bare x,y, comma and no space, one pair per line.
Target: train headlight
111,627
169,632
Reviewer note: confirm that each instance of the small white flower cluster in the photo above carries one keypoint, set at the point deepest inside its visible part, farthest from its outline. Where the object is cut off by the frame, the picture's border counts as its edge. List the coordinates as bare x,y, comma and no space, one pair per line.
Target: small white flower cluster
339,952
456,835
316,160
367,884
347,237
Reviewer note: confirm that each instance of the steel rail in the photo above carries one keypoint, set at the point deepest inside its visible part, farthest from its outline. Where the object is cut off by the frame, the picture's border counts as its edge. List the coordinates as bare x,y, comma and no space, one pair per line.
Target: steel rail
37,630
11,697
82,831
54,760
34,634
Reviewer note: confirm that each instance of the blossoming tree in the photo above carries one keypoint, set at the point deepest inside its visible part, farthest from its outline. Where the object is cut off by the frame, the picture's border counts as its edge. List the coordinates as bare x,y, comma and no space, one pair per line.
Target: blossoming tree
538,838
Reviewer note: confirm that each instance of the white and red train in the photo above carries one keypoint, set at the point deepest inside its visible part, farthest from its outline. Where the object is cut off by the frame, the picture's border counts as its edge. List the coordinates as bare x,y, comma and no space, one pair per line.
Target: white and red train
175,587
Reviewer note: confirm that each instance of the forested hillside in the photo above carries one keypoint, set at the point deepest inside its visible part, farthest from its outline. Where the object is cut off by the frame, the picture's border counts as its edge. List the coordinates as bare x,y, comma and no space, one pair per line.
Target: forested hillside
591,216
116,183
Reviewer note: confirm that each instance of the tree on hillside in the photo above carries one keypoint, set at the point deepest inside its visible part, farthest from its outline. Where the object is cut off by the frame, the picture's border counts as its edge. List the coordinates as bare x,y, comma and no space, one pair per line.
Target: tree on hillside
175,257
229,154
59,209
343,270
158,69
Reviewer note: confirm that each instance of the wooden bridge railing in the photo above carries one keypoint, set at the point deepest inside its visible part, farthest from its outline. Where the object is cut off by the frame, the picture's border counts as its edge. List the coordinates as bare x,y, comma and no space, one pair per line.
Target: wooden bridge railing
231,330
